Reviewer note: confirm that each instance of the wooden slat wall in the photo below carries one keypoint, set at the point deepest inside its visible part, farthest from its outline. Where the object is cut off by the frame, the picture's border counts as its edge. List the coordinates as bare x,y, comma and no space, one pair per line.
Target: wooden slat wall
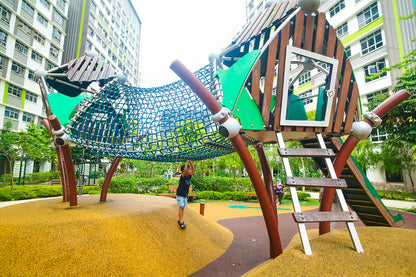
283,41
312,33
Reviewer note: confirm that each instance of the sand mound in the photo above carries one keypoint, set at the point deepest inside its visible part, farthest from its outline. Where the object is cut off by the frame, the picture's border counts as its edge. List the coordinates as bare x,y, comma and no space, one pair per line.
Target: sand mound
387,252
129,235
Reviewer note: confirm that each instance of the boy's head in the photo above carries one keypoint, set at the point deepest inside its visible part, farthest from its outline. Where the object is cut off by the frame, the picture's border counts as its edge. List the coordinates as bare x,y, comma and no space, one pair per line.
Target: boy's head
182,167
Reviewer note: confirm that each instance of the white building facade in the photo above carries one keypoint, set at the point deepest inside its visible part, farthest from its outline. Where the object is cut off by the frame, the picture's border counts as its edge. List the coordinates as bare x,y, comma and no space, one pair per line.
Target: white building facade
374,37
111,29
31,37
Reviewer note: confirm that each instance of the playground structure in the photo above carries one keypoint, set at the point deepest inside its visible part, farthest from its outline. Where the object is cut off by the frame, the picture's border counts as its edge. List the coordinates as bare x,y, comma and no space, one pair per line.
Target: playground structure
260,89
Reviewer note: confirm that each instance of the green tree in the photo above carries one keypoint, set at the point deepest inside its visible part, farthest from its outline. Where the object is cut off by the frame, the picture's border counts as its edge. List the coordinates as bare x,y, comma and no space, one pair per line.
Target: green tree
400,122
35,143
9,142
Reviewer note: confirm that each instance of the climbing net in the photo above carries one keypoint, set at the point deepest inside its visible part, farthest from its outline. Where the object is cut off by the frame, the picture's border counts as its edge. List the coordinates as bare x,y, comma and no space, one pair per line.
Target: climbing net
167,123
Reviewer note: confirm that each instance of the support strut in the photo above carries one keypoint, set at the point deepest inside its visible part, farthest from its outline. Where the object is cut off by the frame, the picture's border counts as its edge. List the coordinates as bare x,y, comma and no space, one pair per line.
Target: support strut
348,147
242,151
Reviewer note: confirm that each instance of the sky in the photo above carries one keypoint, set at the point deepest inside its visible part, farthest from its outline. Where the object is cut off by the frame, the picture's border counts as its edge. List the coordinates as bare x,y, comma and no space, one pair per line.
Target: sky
187,30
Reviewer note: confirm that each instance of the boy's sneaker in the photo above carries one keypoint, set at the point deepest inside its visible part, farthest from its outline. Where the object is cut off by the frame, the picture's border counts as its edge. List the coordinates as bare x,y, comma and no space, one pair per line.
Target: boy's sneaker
182,225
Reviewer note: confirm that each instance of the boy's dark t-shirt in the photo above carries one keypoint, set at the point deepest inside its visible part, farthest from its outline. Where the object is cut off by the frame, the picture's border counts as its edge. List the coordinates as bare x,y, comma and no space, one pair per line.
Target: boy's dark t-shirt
183,188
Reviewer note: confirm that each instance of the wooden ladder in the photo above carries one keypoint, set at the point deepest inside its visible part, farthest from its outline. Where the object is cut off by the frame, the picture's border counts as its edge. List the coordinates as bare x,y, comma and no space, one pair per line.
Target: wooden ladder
292,182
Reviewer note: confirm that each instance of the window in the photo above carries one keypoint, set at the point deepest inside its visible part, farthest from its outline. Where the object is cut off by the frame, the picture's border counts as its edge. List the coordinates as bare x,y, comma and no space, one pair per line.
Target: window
18,69
13,90
31,75
21,48
31,97
54,51
88,45
90,32
28,8
336,8
91,19
371,42
305,95
348,51
375,68
28,117
24,27
42,20
3,38
36,56
39,38
371,95
378,134
58,18
305,78
1,62
11,113
56,34
342,30
46,4
93,7
61,4
49,65
368,15
4,14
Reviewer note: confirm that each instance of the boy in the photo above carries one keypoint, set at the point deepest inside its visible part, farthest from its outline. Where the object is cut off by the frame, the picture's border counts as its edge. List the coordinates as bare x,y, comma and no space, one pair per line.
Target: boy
183,189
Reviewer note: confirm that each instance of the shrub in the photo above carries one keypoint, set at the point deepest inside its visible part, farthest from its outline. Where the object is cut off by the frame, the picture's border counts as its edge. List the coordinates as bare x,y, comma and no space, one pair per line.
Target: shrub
302,196
91,189
136,185
29,192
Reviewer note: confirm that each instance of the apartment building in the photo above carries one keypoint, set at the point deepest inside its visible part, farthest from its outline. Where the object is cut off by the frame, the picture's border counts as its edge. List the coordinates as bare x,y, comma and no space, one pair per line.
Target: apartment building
109,28
31,37
374,37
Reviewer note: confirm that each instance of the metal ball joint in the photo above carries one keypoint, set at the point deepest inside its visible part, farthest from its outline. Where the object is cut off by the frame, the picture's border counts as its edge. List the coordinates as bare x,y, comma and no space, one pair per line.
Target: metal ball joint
361,130
309,6
229,128
61,138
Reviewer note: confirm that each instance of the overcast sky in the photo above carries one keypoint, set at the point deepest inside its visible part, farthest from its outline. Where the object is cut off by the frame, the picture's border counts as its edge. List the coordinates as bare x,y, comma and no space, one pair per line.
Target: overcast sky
188,30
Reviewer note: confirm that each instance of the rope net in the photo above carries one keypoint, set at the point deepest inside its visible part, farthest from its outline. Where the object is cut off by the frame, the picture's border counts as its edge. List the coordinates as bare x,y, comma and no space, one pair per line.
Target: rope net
167,123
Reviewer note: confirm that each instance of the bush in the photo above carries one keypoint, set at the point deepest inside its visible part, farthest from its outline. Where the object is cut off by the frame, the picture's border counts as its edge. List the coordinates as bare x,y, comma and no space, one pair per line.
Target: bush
136,185
29,192
91,189
303,196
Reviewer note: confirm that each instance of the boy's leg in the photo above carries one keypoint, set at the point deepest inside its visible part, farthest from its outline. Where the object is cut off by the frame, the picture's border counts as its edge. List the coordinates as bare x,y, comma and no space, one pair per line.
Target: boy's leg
181,209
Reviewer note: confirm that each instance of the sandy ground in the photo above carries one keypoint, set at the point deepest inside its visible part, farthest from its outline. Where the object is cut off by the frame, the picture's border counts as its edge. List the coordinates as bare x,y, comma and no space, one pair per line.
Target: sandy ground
137,235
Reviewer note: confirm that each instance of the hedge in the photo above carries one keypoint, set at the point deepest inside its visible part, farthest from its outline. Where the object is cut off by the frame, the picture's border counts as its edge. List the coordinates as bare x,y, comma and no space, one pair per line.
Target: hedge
34,178
40,191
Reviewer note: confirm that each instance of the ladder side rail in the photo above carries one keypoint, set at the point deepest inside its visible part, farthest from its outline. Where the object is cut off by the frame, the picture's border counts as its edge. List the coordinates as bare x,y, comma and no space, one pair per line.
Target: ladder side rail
295,200
341,199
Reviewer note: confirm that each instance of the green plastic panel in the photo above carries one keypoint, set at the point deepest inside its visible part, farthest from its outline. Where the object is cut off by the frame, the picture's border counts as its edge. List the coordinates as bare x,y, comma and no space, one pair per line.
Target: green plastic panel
63,106
232,80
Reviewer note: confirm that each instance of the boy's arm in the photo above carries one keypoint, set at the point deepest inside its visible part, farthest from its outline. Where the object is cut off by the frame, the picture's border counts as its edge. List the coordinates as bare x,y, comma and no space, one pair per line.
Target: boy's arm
185,169
192,169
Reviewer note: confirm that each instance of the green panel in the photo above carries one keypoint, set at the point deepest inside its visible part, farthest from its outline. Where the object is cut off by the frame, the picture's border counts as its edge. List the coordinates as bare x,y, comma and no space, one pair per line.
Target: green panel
22,105
398,33
363,31
398,217
6,88
320,113
62,106
248,112
232,80
296,109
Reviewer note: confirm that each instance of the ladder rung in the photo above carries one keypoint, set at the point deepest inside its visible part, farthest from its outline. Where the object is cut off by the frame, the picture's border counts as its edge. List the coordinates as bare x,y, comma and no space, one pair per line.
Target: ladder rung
316,182
325,217
306,152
